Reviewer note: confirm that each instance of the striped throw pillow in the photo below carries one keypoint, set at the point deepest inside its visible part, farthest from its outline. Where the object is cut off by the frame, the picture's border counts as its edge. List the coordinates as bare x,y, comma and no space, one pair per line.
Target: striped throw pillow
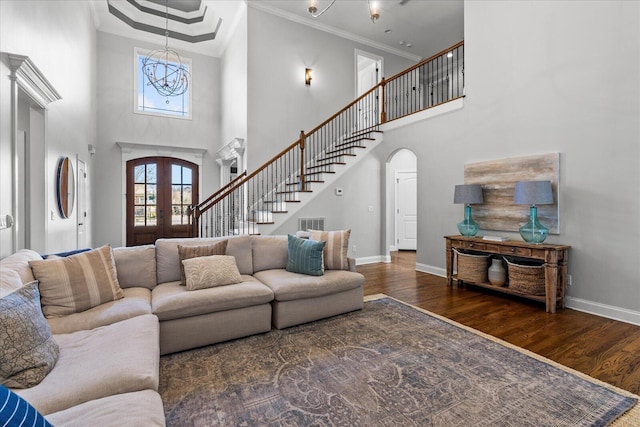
188,252
335,251
78,282
17,412
304,256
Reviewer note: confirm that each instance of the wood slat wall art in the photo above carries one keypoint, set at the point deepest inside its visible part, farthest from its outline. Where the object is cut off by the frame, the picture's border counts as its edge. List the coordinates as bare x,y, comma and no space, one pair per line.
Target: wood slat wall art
498,179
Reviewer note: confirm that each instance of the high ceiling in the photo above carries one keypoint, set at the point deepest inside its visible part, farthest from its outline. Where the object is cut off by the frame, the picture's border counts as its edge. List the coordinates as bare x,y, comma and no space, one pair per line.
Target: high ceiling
412,28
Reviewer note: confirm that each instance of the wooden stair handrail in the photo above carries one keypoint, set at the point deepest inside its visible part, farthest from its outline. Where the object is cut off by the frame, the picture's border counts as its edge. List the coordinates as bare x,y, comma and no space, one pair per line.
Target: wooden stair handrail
254,173
240,180
424,61
221,189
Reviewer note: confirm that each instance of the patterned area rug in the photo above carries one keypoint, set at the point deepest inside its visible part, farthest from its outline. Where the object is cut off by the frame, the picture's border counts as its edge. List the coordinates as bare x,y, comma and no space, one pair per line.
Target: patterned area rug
387,365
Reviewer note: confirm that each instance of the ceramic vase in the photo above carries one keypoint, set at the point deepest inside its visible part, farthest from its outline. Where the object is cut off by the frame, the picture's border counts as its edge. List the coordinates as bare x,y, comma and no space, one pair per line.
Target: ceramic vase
497,273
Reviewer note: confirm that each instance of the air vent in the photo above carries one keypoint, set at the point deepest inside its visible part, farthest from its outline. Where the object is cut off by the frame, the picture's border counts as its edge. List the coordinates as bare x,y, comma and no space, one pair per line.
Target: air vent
306,224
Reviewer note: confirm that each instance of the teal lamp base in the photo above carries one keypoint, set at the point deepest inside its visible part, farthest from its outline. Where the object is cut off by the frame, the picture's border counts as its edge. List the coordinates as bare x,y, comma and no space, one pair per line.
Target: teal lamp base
533,231
468,227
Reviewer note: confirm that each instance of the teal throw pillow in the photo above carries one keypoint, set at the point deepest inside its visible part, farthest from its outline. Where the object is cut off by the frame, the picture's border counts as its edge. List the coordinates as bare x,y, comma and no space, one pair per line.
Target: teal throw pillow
305,256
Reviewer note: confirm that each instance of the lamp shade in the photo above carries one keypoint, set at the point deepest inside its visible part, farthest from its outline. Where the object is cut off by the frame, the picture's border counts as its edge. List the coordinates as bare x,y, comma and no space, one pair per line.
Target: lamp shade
533,193
468,194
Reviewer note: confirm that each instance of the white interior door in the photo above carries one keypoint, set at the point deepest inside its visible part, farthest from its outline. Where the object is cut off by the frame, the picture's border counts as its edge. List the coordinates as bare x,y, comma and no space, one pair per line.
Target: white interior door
368,74
406,210
81,198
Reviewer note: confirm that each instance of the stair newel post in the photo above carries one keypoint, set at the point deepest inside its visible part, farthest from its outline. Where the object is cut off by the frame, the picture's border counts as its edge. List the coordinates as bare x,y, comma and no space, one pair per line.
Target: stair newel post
302,178
383,111
193,215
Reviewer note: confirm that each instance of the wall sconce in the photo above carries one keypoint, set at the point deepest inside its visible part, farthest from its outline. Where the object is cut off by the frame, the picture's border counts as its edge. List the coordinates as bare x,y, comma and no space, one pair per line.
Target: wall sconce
307,76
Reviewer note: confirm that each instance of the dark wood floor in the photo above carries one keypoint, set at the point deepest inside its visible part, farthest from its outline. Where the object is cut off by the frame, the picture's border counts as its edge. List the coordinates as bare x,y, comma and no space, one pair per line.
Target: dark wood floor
599,347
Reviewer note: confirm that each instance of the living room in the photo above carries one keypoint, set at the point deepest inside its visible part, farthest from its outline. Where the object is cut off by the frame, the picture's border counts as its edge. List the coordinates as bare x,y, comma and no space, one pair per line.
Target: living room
536,80
540,77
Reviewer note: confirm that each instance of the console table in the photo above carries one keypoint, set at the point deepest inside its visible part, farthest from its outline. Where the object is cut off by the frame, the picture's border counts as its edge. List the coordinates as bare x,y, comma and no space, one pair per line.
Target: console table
555,259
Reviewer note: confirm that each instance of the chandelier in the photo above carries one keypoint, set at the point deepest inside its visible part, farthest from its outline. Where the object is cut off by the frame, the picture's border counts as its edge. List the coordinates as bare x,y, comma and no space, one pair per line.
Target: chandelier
164,69
374,15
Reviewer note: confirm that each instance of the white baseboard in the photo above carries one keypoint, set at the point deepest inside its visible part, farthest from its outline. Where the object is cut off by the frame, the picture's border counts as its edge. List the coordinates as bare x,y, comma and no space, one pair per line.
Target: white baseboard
595,308
373,259
436,271
603,310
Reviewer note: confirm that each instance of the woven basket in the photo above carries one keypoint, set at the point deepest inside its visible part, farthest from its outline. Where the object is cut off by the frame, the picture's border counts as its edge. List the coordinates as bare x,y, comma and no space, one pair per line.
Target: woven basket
472,267
526,278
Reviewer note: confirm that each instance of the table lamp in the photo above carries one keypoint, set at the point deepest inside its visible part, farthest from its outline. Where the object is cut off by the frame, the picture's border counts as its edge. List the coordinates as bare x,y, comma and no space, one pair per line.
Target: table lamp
533,193
468,194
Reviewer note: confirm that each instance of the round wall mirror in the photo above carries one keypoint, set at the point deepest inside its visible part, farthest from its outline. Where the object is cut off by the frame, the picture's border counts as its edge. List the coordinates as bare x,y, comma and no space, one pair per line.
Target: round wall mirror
65,187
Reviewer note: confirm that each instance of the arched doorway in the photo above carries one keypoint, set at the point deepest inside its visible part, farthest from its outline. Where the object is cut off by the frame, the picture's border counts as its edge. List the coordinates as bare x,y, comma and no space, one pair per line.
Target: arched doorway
403,200
159,191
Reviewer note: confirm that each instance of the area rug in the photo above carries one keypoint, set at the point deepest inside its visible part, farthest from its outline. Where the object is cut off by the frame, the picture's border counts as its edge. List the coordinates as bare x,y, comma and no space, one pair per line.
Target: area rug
389,364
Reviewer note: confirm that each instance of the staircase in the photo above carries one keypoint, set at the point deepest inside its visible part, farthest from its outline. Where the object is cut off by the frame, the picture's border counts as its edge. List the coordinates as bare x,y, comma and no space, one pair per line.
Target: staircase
256,203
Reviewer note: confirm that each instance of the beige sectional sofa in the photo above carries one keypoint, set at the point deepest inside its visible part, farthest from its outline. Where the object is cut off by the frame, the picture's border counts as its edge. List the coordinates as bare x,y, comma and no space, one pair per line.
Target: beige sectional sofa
107,370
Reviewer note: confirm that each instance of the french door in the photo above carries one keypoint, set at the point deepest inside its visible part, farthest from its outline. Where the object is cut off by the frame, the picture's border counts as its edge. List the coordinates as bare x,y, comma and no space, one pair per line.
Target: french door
159,192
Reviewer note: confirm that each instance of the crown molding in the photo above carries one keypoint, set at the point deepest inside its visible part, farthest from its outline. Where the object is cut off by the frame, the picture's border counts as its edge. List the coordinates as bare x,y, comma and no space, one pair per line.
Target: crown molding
31,79
331,30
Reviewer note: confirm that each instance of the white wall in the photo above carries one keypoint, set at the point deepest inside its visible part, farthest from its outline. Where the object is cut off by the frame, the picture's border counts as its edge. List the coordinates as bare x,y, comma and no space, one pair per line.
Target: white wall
280,105
60,39
545,77
233,86
118,123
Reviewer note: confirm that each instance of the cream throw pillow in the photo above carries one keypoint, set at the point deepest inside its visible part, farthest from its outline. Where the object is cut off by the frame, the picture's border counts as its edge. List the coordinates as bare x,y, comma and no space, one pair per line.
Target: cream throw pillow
210,271
78,282
335,251
188,252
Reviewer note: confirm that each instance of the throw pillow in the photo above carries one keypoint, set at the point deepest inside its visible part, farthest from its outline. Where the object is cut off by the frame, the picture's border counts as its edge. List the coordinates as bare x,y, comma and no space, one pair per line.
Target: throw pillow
17,412
209,271
335,251
188,252
28,350
78,282
305,256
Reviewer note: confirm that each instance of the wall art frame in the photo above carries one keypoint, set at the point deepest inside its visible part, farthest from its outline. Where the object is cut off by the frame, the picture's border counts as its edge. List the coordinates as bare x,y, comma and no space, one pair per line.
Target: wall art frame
498,179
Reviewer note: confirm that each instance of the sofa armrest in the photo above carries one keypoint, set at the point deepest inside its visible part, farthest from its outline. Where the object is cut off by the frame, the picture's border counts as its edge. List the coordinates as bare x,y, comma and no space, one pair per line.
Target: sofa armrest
352,264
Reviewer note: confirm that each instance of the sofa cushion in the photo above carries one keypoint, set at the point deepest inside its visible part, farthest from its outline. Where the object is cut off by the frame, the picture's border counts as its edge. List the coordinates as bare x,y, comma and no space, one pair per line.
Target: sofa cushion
188,252
28,351
172,301
77,282
19,262
136,266
290,286
269,252
168,261
140,408
210,271
10,281
136,302
119,358
305,256
17,412
335,251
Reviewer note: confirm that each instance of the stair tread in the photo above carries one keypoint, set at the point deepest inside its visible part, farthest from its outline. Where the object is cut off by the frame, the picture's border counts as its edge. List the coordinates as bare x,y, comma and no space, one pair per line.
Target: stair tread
336,156
294,191
321,166
345,148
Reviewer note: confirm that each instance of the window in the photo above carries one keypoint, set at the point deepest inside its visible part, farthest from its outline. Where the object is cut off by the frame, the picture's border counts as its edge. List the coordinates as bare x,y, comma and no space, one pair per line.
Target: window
180,193
149,101
145,188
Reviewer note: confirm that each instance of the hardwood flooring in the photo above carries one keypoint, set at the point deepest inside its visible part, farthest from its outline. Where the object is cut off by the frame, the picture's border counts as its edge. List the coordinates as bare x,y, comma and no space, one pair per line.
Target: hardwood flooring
601,348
